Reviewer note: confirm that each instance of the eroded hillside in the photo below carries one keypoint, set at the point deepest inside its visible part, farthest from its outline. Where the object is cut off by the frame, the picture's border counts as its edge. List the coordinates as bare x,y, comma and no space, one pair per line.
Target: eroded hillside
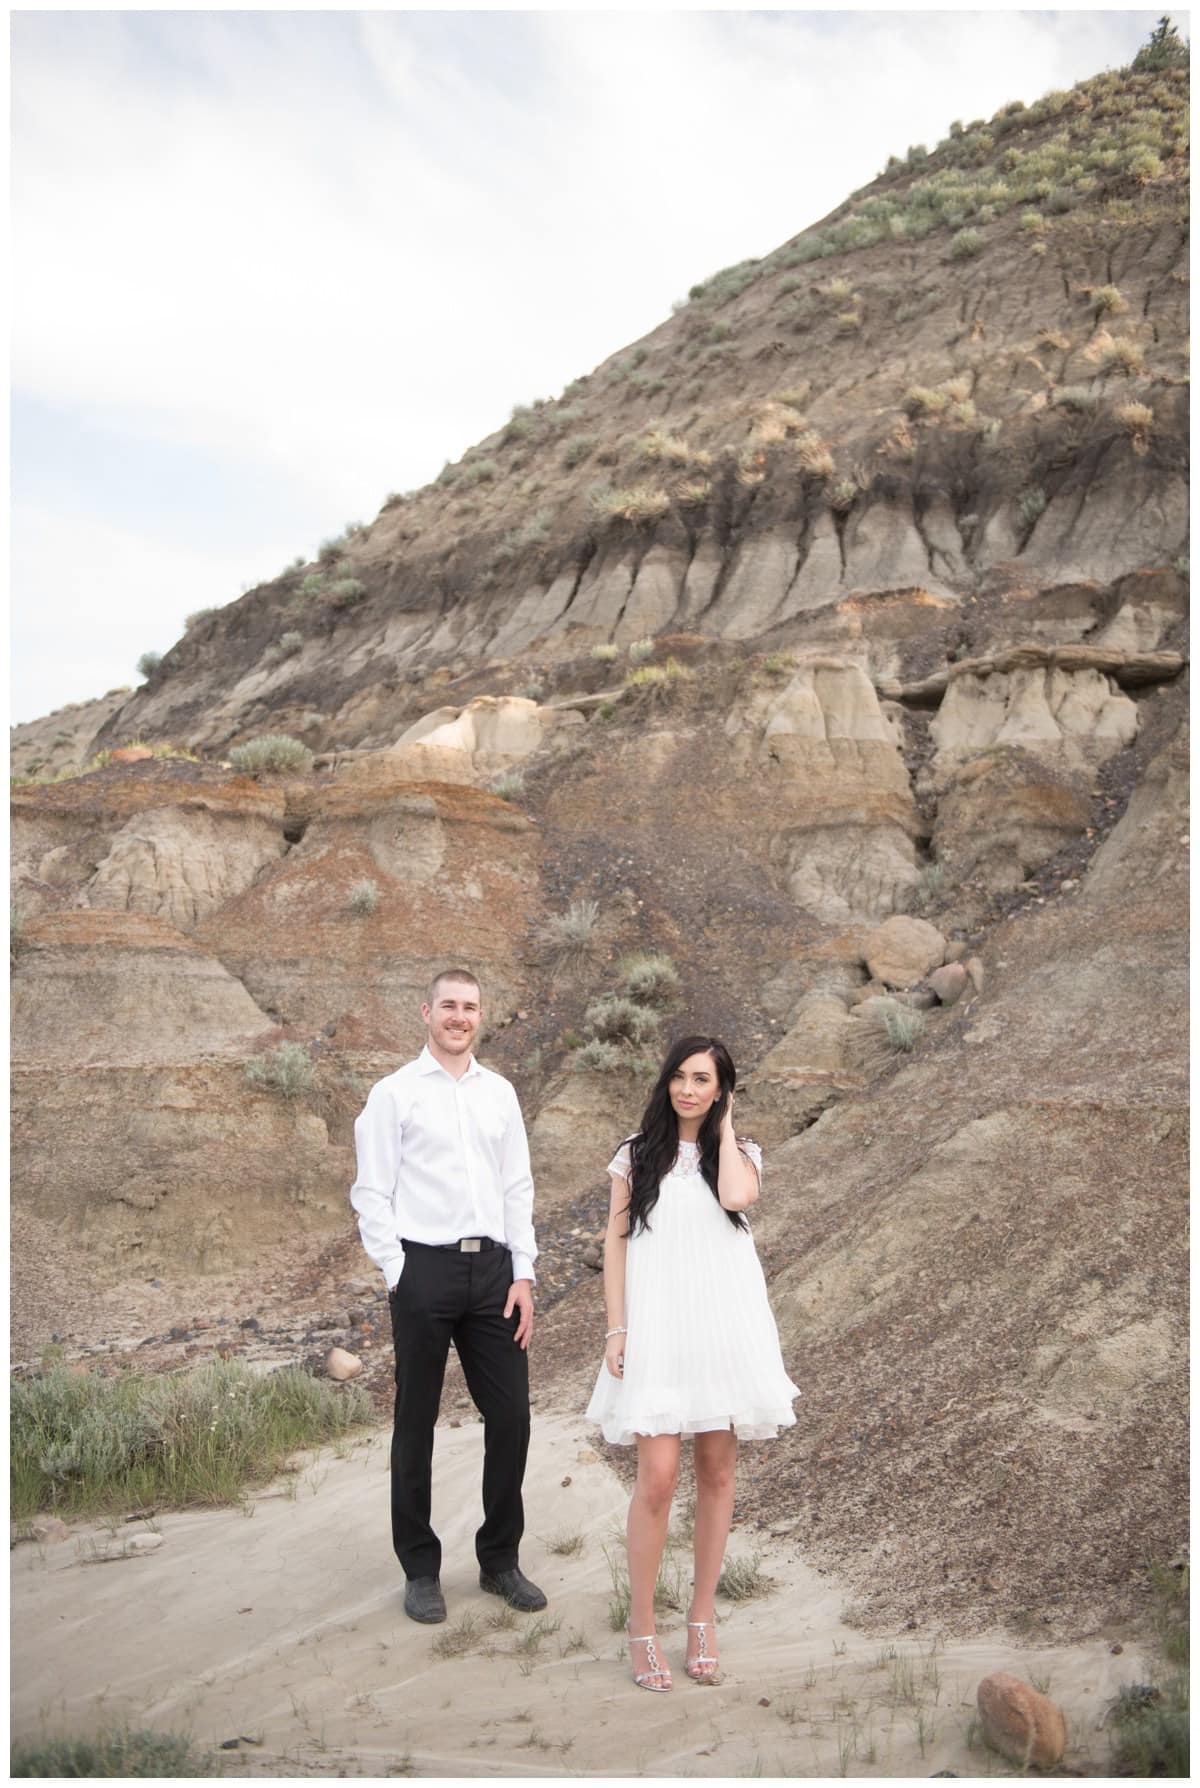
830,643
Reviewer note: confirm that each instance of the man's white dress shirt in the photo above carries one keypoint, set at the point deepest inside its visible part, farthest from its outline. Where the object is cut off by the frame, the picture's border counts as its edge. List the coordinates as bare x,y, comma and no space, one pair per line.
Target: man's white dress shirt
439,1159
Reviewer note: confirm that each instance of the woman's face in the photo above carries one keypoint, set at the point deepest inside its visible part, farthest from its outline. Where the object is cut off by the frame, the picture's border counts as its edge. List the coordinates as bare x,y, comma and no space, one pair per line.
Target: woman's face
694,1086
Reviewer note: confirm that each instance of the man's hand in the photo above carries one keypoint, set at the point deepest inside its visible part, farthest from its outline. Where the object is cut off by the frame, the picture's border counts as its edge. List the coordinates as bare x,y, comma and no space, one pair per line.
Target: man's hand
520,1297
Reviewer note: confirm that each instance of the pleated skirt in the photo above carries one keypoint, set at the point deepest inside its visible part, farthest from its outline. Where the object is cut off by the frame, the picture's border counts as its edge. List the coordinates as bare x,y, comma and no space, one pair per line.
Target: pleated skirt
702,1351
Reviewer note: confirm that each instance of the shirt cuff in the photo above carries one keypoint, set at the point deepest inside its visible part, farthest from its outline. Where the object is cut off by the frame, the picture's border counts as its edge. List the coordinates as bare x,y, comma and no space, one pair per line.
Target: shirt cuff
522,1266
392,1272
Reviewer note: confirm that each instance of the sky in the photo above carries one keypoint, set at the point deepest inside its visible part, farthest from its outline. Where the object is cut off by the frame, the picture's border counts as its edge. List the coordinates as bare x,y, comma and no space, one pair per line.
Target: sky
270,266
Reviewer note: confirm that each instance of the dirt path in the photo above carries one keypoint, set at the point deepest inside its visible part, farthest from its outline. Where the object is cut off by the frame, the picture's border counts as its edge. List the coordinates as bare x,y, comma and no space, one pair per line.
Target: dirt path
287,1628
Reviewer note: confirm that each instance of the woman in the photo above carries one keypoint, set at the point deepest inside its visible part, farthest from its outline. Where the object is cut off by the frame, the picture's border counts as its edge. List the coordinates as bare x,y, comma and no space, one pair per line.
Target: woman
691,1345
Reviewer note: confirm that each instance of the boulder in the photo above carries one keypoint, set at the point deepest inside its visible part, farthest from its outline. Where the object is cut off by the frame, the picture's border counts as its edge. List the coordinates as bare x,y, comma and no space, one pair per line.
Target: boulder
902,950
1023,1725
950,982
340,1365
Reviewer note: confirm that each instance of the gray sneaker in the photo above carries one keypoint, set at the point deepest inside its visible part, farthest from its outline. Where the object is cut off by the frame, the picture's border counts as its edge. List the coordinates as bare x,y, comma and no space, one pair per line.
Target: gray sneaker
424,1601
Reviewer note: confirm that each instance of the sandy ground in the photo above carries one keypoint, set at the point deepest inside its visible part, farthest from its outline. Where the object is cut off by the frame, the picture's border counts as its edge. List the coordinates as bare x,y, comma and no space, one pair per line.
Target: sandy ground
284,1625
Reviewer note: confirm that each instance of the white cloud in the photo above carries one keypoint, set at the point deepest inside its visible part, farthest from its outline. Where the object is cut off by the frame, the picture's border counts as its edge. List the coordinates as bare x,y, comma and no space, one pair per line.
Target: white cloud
342,245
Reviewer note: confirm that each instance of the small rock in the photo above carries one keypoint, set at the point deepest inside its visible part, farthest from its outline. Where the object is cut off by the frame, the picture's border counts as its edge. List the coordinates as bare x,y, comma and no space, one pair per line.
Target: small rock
593,1257
956,951
248,1322
178,1334
764,1701
918,999
950,982
586,1456
358,1288
340,1365
1068,886
1023,1725
48,1530
566,1483
130,754
903,949
974,968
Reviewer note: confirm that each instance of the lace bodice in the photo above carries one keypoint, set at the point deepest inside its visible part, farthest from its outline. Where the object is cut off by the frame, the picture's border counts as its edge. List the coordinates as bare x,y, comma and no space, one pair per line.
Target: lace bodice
688,1159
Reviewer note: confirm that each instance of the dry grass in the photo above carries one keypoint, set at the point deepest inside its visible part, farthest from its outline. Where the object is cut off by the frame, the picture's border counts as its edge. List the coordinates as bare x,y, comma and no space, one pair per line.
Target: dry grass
633,503
814,456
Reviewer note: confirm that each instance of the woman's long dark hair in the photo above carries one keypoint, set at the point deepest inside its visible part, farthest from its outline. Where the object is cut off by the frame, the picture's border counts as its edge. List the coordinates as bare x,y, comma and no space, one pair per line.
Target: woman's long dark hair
654,1148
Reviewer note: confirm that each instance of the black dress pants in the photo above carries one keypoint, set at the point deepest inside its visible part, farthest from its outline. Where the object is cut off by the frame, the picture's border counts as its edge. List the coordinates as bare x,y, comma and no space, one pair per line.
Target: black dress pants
445,1296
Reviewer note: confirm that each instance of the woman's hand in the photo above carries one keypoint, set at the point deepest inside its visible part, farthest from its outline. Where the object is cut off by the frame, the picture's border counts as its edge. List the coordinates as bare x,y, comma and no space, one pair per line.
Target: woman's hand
614,1355
727,1120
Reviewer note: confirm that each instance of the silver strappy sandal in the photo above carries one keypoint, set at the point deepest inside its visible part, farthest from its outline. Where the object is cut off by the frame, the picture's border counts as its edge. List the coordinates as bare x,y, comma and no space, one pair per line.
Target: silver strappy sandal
653,1668
702,1668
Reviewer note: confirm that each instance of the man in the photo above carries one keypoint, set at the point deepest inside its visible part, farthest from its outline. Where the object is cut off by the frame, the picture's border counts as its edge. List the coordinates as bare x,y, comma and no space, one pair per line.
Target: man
444,1199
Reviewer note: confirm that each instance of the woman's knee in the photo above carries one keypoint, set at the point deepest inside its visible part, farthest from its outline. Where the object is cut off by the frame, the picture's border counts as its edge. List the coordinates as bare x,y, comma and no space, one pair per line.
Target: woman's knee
715,1469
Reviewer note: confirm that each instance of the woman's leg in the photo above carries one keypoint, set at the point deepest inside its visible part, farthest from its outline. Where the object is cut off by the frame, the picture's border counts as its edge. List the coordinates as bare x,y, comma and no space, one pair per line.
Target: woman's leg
715,1462
646,1528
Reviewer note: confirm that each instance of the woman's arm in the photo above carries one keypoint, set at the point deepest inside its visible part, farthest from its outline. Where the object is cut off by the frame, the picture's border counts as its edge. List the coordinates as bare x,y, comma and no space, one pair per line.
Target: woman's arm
737,1178
616,1240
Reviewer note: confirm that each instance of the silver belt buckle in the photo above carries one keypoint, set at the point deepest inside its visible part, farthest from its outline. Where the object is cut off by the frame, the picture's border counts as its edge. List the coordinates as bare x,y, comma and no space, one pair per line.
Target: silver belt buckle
470,1245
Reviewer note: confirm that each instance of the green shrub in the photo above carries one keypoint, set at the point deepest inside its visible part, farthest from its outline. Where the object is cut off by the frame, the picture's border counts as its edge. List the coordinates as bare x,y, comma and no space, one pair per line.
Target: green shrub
289,643
640,650
364,898
331,550
743,1578
1031,504
571,935
727,284
577,449
86,1445
479,471
1077,397
120,1751
312,585
508,785
346,592
148,663
198,615
1163,49
617,1019
650,977
273,753
658,676
965,244
597,1056
286,1070
605,653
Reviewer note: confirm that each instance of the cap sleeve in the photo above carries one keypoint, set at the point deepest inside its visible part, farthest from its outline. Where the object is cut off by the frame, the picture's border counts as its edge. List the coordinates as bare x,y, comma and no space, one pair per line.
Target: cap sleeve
752,1153
622,1163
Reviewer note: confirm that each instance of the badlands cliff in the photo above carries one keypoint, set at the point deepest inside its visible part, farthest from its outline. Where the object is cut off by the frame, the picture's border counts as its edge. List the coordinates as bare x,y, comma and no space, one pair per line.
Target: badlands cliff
829,639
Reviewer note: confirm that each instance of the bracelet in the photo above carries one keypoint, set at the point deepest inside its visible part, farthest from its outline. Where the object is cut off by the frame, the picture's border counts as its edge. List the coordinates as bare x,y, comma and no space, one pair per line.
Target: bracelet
609,1333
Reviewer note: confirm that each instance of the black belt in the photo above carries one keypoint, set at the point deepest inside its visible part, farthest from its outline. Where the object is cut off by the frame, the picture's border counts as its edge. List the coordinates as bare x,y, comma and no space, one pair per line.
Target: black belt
467,1244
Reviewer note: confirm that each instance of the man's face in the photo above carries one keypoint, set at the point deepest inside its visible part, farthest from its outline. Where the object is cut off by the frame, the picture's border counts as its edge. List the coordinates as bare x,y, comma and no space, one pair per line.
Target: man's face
454,1016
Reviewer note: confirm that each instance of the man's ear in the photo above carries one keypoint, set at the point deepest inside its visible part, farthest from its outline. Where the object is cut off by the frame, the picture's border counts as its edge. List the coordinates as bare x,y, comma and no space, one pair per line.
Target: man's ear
426,1012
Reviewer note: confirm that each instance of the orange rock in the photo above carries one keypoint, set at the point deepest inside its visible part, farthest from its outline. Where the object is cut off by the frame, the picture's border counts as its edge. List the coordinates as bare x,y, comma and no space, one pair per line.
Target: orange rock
130,754
341,1365
1019,1722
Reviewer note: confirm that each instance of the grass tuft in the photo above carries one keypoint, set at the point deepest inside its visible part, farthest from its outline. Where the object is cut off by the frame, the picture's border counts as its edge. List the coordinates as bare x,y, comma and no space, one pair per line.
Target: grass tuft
616,1019
903,1026
570,936
743,1578
122,1751
87,1445
364,898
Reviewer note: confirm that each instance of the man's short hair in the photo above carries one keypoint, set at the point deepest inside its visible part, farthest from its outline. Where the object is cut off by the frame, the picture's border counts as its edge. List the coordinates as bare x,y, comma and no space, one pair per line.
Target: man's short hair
452,974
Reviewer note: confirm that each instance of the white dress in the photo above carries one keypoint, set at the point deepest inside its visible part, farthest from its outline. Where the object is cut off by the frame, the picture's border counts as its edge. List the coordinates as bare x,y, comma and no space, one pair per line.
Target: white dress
702,1351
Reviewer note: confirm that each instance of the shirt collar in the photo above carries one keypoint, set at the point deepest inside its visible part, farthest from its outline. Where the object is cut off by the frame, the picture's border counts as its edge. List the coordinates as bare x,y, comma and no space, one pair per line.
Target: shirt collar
428,1064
